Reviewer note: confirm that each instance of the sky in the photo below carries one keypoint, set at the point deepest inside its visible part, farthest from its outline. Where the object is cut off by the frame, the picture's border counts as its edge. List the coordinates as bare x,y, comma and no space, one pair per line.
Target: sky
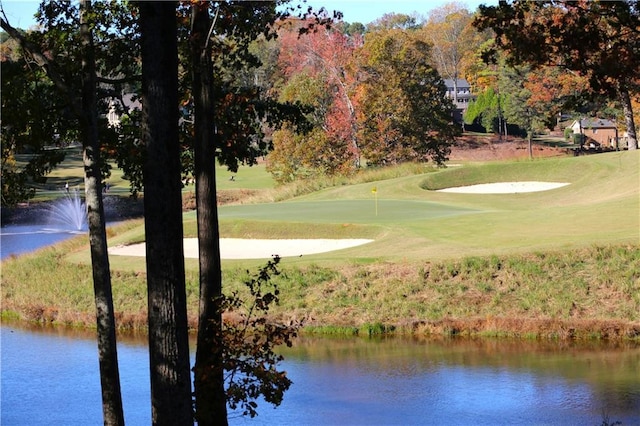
20,12
366,11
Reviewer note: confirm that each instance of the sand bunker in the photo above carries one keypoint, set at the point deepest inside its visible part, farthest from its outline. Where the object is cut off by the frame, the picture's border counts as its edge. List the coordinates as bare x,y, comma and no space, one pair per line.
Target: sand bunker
236,248
505,187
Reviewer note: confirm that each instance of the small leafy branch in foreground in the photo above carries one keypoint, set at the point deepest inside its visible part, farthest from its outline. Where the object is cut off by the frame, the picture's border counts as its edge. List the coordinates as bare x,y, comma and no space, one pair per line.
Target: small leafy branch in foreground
250,363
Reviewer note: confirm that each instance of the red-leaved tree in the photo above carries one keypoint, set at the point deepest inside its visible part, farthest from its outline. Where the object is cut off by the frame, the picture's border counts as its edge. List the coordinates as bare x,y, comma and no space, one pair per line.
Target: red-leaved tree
322,62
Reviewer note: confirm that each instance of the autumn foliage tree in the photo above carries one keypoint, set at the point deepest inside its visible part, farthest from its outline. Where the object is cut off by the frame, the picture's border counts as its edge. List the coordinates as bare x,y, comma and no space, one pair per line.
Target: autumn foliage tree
452,38
552,90
319,73
378,99
404,113
599,40
304,154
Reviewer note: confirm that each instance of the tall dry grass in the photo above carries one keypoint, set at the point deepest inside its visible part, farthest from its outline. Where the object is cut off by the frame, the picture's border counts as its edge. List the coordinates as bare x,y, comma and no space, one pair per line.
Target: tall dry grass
584,293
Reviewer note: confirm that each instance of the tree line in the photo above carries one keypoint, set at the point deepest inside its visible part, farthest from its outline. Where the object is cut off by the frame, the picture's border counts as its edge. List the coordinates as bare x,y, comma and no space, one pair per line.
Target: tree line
331,100
553,57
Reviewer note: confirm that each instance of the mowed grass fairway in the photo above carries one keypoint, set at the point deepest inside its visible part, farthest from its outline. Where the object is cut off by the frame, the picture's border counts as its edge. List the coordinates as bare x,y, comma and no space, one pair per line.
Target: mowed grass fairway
343,211
413,221
601,205
563,263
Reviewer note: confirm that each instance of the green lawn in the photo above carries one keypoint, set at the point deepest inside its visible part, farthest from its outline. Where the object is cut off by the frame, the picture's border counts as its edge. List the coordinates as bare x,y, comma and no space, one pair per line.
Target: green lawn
413,221
71,171
510,261
600,206
247,177
344,211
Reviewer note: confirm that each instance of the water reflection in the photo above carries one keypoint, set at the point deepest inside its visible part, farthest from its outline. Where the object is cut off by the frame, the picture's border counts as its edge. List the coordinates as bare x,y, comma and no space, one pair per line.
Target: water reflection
51,377
473,381
20,239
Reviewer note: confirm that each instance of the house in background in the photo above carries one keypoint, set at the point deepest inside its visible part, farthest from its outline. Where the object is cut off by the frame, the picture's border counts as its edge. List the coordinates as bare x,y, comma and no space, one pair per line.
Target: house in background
128,102
596,132
460,93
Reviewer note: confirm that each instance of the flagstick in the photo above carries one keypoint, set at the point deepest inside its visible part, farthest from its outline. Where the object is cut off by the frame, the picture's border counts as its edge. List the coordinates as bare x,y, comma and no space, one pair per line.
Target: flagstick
376,203
375,195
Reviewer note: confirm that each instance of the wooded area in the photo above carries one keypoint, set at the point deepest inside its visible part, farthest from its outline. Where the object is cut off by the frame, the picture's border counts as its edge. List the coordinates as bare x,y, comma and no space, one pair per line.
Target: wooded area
342,96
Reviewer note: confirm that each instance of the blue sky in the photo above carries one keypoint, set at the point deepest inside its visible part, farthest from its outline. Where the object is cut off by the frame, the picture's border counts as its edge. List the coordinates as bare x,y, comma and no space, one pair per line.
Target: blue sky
20,12
366,11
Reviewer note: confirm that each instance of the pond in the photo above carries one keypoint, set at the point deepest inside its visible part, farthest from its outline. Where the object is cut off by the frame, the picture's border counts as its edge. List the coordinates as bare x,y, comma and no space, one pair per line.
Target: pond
50,376
20,239
25,229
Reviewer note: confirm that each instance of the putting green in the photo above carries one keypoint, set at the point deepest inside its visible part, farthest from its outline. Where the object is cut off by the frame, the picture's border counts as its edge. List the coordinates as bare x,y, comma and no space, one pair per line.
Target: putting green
344,211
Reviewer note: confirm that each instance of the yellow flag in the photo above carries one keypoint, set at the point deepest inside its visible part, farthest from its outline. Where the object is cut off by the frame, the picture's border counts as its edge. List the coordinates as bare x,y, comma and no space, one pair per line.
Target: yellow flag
374,190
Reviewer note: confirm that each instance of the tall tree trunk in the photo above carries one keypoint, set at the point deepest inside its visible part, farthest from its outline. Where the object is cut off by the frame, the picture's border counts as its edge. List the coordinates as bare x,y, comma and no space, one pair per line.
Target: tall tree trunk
211,404
500,117
105,318
171,402
85,109
627,109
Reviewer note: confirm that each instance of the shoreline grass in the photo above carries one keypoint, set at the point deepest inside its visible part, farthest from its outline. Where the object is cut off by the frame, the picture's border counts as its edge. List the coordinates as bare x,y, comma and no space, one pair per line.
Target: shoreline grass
591,293
563,264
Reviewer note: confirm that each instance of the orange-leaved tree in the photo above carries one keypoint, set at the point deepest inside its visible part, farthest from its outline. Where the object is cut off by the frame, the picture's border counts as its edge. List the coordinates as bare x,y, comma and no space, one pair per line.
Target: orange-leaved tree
597,39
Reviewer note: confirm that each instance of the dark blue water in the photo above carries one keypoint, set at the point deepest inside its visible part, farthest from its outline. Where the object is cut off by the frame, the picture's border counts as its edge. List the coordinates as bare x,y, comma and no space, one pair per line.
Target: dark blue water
51,378
19,239
30,228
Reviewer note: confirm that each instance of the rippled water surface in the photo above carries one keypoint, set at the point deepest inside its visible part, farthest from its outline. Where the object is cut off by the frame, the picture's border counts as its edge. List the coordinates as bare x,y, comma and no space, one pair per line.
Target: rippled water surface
51,377
19,239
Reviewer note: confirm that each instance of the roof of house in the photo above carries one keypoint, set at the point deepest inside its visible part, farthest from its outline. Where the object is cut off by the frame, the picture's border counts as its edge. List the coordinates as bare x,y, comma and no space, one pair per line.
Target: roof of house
596,123
461,82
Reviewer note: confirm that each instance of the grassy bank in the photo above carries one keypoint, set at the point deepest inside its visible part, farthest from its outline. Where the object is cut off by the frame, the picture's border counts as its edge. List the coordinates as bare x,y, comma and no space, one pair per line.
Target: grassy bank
585,293
554,264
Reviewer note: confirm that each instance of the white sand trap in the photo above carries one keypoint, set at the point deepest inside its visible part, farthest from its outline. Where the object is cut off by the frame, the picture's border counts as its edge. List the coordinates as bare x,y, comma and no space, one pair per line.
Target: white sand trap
236,248
505,187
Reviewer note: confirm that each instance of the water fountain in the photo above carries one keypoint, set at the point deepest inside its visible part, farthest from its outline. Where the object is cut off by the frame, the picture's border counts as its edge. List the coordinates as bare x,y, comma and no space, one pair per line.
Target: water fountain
31,227
69,213
44,225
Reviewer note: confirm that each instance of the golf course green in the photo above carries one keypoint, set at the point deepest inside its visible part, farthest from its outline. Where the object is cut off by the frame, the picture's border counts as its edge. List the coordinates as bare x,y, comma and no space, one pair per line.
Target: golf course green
558,263
409,219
